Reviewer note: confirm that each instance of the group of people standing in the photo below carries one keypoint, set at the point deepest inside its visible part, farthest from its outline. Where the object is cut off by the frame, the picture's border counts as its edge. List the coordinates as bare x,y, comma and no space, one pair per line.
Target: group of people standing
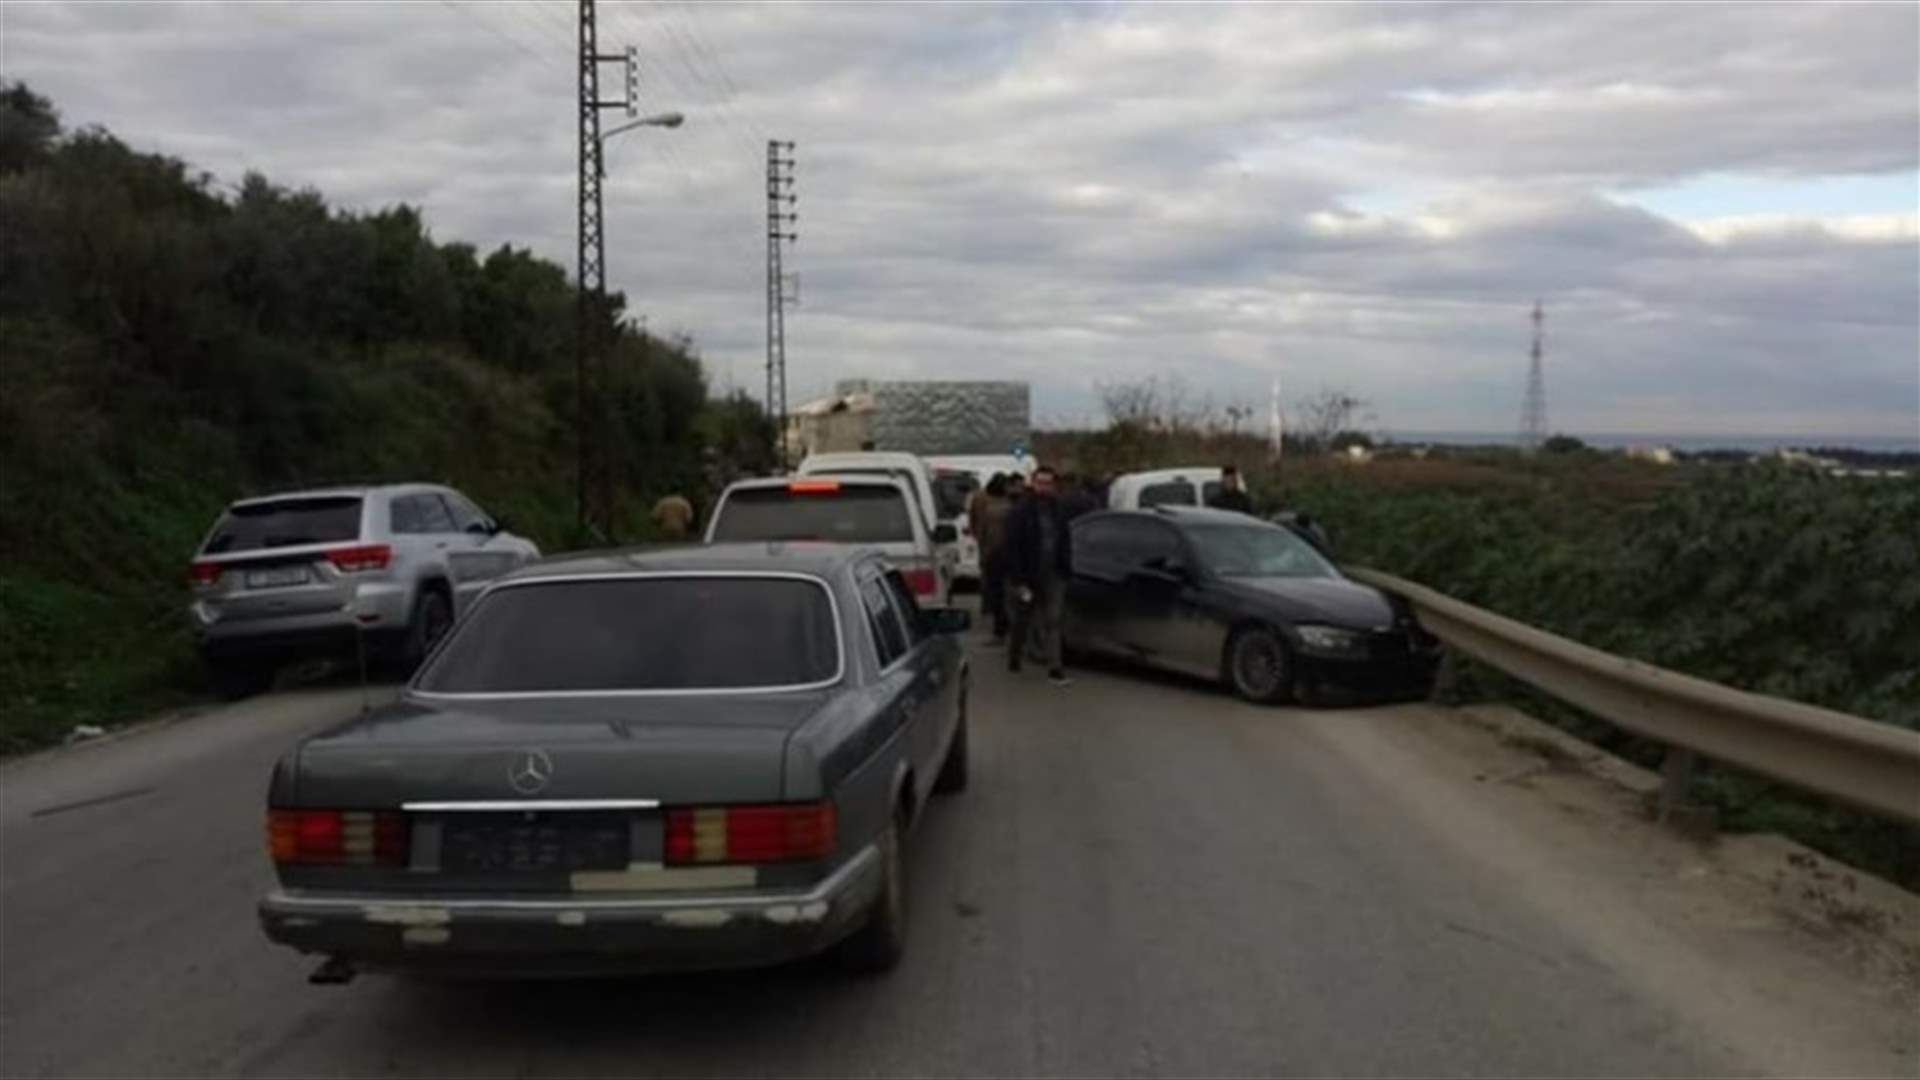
1026,560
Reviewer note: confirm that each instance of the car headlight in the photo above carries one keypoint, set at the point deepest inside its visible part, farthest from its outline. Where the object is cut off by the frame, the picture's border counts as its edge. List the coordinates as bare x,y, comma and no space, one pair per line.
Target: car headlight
1328,638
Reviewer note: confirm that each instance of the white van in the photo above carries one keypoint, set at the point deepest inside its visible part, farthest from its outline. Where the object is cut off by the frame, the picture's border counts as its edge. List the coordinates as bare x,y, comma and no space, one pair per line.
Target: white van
955,478
872,511
1164,487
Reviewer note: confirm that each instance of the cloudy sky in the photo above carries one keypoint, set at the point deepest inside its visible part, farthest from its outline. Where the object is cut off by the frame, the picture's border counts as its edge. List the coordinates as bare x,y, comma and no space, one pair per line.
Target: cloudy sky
1718,203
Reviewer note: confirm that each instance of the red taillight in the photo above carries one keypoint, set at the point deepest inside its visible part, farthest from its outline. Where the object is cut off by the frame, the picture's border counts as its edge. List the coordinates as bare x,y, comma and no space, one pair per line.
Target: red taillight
922,580
814,487
203,573
751,834
338,837
365,557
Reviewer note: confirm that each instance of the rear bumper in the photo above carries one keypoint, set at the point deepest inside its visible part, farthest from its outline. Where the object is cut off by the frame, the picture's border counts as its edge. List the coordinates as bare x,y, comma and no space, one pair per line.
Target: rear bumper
580,935
378,610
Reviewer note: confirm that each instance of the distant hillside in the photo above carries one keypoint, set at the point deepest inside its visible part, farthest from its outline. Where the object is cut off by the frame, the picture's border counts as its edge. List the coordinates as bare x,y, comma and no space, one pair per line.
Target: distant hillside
166,346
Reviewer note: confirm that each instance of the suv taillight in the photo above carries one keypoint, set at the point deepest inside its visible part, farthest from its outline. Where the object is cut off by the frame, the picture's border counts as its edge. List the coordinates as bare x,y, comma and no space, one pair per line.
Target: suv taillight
364,557
750,834
203,573
338,837
922,580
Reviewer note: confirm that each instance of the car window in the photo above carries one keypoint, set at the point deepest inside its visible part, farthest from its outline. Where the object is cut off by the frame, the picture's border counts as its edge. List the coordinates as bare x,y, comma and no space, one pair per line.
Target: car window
434,517
1098,541
1167,493
951,490
466,516
816,510
1148,541
907,607
1257,551
286,523
403,515
889,636
666,633
1208,490
905,476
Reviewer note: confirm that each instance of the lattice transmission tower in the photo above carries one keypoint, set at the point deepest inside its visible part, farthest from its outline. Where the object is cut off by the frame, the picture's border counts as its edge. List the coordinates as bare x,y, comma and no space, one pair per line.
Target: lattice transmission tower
1533,411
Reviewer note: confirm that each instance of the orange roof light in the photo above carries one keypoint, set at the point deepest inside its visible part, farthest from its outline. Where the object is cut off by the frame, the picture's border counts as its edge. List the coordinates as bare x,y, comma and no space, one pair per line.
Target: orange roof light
813,487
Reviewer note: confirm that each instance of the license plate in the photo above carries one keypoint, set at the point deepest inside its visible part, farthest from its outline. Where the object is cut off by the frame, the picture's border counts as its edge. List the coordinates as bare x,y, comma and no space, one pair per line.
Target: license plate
276,577
544,843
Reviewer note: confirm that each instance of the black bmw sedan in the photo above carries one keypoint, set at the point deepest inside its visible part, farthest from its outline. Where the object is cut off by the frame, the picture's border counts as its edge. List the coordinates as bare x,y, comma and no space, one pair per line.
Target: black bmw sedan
1232,598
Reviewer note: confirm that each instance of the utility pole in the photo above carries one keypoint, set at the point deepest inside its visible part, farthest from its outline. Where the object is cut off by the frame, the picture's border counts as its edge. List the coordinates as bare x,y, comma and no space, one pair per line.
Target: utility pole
780,215
592,422
1533,412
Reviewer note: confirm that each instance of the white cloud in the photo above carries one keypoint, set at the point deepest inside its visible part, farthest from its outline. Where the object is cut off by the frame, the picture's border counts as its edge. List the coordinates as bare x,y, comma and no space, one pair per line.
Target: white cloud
1364,196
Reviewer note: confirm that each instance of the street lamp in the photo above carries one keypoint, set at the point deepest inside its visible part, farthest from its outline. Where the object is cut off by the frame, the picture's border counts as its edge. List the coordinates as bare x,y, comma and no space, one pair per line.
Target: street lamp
665,120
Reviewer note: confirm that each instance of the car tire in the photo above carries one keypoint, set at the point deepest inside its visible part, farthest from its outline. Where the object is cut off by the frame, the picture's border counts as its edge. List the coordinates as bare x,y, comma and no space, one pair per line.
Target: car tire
953,771
876,948
235,680
432,618
1259,666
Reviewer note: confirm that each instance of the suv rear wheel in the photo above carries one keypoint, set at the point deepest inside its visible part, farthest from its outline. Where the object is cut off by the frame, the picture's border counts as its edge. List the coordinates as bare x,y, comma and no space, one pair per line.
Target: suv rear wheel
432,617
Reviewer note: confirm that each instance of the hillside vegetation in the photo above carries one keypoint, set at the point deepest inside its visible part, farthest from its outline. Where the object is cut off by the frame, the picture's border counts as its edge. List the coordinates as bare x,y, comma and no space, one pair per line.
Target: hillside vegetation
167,345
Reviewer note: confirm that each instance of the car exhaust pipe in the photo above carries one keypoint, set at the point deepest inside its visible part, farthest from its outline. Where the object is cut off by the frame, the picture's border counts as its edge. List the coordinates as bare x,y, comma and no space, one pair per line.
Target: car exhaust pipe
333,971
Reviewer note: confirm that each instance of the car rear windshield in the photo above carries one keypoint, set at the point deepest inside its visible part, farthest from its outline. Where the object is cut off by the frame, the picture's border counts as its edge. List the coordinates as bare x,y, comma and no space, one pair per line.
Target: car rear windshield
286,523
644,633
820,510
1167,493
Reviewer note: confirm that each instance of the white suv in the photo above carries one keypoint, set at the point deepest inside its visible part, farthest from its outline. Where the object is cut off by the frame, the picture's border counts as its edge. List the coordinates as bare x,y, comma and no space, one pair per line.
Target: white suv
331,571
872,511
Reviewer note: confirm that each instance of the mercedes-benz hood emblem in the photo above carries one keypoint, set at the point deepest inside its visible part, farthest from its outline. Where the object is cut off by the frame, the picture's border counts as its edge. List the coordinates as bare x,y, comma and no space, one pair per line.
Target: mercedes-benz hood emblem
530,772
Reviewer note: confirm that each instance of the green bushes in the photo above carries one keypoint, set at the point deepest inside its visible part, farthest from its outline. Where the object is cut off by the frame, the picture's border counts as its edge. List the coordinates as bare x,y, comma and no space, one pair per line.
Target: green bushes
166,348
1778,580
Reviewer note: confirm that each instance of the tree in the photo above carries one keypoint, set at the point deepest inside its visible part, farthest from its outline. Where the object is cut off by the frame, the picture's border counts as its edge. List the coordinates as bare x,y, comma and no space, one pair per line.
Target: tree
28,127
1563,444
1327,414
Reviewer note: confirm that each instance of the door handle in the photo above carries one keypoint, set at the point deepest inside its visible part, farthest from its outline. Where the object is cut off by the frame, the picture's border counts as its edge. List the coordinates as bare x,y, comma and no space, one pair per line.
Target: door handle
442,545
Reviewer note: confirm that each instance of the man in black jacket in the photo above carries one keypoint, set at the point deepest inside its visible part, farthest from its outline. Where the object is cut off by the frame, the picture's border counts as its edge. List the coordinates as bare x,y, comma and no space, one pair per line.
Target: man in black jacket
1039,562
1231,495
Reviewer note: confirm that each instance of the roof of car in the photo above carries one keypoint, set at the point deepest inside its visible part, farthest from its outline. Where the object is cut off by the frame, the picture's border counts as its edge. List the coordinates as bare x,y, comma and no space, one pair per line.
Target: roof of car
327,491
869,479
1186,515
1154,476
852,457
784,555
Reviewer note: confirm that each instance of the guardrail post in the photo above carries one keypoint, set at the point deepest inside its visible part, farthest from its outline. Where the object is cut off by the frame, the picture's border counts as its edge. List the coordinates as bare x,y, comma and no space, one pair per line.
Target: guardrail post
1675,807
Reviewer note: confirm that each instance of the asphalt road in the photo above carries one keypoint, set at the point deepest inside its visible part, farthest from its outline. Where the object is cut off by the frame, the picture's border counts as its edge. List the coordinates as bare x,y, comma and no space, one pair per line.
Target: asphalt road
1145,878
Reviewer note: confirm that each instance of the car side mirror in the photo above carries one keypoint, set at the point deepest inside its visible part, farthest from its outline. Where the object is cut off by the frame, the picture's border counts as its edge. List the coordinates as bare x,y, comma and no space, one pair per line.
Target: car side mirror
944,533
947,620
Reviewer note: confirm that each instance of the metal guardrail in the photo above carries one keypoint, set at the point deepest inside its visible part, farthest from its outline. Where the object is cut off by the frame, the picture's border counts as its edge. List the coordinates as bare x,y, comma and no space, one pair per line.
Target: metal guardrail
1872,765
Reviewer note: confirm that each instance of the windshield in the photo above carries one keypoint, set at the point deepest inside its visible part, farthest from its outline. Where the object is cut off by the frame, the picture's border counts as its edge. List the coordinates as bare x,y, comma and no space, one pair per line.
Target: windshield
847,515
623,634
1256,551
286,523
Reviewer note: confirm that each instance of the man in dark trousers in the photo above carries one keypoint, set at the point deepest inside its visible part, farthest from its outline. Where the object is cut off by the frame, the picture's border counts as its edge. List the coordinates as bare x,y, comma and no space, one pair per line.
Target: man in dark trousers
1231,495
1039,562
